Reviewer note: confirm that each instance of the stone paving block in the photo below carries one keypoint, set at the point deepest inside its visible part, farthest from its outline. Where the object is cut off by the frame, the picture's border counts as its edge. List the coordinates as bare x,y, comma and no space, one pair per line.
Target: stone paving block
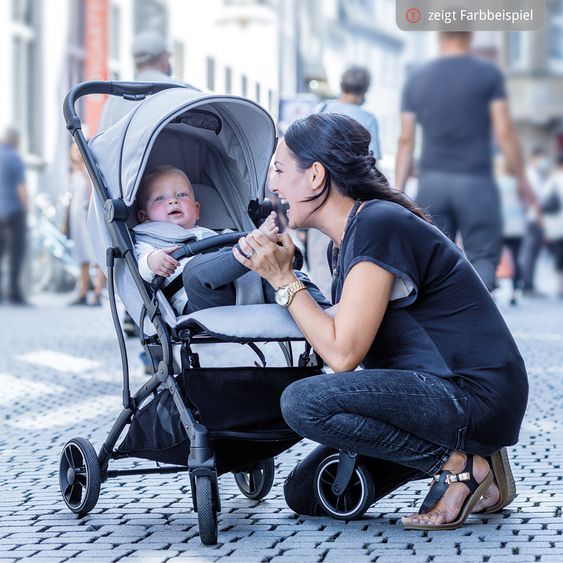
183,558
151,555
246,556
50,557
397,558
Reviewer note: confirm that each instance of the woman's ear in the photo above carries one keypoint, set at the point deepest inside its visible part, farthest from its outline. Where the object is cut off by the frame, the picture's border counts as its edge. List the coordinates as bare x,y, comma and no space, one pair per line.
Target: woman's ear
317,175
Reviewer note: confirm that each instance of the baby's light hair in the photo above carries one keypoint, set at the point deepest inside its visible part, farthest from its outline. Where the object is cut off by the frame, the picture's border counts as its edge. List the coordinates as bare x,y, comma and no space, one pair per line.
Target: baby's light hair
153,174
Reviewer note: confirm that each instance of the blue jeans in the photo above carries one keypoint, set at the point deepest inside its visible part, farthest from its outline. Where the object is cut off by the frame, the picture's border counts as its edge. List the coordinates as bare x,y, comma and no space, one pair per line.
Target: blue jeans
208,281
412,421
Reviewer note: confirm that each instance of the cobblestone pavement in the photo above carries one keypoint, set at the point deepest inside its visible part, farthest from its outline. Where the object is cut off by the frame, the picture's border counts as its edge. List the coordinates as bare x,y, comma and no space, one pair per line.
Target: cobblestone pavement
60,378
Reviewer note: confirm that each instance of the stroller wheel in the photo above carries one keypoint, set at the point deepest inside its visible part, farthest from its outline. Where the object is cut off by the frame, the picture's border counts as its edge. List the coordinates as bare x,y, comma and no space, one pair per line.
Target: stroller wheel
356,498
79,475
206,515
256,481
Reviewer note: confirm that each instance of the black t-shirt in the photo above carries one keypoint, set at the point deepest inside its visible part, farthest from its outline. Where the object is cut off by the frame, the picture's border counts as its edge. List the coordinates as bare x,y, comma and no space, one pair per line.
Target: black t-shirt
451,98
447,326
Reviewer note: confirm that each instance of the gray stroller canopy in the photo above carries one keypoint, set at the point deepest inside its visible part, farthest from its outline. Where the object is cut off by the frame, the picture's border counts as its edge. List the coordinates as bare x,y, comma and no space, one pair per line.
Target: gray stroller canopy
223,143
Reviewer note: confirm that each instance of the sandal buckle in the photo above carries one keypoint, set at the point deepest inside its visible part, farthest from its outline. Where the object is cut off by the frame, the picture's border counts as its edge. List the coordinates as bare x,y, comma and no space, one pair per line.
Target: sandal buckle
457,478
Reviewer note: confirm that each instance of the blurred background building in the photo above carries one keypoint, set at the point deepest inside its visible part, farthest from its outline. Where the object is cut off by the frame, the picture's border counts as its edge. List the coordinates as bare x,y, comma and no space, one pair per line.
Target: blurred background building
286,55
272,51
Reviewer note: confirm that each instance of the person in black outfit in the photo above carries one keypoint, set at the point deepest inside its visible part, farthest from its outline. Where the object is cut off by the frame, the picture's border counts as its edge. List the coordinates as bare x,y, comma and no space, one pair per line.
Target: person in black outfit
460,100
442,384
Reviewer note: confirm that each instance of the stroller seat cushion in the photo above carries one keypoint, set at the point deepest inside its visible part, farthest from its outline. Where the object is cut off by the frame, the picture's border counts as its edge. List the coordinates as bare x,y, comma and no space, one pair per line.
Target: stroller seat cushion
244,323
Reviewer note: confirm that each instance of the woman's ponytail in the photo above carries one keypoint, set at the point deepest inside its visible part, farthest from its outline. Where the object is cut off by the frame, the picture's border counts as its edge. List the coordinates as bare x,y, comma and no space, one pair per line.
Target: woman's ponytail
341,145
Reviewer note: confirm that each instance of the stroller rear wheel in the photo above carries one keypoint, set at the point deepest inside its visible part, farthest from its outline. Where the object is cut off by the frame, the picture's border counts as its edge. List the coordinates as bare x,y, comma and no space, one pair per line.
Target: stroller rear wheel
256,481
79,475
206,514
354,500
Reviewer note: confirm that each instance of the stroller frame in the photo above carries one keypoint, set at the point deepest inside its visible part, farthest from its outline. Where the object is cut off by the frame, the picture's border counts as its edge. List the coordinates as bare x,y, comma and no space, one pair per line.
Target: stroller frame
82,470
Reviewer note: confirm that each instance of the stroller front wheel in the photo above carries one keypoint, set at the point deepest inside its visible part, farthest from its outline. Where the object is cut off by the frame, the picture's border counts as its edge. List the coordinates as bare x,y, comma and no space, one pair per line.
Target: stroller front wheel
256,481
79,475
354,500
206,514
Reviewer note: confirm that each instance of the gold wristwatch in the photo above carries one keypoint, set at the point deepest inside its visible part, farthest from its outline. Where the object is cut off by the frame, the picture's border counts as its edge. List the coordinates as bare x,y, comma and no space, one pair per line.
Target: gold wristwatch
285,293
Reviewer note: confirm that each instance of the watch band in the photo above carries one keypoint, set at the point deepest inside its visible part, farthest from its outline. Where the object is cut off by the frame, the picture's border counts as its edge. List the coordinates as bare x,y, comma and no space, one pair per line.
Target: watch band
293,288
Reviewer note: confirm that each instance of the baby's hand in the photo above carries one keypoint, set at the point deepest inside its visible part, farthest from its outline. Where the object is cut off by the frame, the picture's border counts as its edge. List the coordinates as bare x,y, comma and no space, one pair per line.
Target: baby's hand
269,227
160,262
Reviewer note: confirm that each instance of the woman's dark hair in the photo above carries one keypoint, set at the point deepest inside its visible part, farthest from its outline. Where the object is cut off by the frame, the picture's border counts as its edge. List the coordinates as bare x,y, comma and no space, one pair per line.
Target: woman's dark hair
341,145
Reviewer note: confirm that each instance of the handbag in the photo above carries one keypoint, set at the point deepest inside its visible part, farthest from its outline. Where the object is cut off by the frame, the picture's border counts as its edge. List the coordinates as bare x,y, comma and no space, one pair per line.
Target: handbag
551,204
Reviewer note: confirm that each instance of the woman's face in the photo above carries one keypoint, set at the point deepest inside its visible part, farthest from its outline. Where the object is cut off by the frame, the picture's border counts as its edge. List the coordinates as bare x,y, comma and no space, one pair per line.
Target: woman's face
293,185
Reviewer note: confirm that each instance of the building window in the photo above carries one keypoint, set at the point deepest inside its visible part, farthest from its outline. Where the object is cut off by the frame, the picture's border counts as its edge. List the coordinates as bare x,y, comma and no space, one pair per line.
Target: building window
22,12
516,50
179,56
210,73
244,85
270,101
76,47
555,37
257,93
114,31
25,85
228,80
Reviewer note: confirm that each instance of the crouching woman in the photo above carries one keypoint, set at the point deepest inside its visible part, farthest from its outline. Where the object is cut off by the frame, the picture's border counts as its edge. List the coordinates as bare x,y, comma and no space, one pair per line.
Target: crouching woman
442,386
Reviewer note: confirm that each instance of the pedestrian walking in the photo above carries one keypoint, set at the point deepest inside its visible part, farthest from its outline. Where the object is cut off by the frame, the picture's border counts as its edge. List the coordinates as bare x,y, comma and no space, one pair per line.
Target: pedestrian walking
13,214
513,220
537,173
460,101
81,189
553,219
354,85
152,64
442,384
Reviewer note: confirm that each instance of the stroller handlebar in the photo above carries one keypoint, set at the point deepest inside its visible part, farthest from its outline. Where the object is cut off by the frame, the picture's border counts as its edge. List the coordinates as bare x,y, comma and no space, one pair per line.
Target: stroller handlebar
126,90
199,247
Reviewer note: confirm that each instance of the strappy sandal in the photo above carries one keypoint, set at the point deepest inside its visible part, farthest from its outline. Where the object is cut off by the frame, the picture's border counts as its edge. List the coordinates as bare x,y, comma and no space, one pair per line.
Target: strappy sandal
502,474
441,481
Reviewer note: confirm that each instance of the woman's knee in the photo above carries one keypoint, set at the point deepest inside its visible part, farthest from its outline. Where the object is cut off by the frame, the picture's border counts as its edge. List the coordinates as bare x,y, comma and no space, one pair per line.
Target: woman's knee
301,404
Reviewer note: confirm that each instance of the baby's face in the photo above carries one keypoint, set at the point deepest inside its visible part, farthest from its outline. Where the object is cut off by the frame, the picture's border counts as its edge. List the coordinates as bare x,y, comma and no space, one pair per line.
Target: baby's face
171,199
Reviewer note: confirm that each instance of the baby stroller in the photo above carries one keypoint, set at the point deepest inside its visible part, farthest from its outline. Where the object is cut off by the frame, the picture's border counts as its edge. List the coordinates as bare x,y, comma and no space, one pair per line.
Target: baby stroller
207,421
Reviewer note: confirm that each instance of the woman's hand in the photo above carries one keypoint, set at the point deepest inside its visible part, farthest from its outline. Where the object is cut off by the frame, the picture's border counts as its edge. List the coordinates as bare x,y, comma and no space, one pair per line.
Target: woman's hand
270,260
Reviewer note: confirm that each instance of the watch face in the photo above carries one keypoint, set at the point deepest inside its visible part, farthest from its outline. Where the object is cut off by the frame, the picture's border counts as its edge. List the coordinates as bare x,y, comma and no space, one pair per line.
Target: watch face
282,296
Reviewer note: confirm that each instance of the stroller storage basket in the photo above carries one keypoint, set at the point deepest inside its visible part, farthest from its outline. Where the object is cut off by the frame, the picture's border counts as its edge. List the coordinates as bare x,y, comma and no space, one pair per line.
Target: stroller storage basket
237,405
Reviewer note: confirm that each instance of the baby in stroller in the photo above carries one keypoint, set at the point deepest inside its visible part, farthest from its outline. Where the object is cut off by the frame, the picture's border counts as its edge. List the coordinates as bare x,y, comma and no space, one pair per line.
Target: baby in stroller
167,199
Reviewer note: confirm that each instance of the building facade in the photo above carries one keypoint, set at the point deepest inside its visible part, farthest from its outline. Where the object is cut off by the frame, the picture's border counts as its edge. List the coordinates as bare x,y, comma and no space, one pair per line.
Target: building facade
533,62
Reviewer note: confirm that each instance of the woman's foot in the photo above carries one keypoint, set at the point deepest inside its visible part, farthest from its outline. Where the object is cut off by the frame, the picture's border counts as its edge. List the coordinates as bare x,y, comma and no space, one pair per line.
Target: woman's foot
448,508
490,498
502,490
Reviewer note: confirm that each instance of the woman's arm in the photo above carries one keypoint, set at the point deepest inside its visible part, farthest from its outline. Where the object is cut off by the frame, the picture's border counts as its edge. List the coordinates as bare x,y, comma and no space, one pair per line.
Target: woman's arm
342,341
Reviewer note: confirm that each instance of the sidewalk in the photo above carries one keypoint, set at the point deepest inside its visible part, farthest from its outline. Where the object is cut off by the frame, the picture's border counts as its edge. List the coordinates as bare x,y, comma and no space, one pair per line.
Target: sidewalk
60,377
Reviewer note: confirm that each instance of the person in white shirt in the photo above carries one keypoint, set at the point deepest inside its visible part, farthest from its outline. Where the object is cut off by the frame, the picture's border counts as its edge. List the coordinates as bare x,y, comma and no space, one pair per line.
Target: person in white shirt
513,219
537,172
